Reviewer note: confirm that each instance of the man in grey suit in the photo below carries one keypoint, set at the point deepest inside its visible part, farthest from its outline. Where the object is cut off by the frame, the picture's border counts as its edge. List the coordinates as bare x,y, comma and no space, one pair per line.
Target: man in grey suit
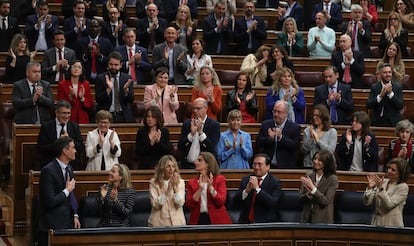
32,97
57,60
171,55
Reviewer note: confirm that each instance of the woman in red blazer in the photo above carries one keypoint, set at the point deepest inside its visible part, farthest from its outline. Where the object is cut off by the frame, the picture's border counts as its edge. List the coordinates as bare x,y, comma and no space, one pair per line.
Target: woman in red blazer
206,194
76,91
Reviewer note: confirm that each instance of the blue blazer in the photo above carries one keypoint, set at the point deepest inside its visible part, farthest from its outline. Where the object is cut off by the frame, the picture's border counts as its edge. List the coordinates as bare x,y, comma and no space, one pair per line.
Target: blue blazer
141,68
298,107
265,206
32,34
70,34
212,38
144,37
286,147
297,13
242,38
335,12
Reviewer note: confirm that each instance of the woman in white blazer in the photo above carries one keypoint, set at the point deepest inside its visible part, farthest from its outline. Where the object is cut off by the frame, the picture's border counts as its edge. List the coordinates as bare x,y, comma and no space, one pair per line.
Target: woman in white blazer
102,144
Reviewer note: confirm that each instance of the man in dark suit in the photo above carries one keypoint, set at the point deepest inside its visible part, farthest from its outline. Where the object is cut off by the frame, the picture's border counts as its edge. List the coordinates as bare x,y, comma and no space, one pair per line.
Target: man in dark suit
173,5
333,12
9,25
259,193
217,31
291,9
59,127
32,98
135,59
40,28
141,8
150,29
58,205
359,30
93,50
336,96
385,99
280,137
76,26
114,90
114,28
57,60
350,64
171,55
198,134
249,31
90,8
267,4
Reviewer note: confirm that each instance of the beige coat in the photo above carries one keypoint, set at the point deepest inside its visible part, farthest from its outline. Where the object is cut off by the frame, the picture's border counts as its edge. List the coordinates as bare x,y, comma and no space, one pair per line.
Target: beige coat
257,74
389,204
167,209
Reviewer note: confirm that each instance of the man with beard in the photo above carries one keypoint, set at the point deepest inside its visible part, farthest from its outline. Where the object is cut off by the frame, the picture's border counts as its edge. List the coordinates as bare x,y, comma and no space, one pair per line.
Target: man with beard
249,31
114,90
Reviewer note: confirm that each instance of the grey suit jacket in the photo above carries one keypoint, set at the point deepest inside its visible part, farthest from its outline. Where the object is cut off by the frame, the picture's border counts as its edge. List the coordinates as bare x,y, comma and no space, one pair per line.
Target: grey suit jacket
179,66
319,207
22,100
49,60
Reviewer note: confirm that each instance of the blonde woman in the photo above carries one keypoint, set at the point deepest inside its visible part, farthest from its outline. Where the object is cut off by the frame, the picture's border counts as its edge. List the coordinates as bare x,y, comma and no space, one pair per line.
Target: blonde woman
394,32
17,58
207,85
187,31
167,194
256,65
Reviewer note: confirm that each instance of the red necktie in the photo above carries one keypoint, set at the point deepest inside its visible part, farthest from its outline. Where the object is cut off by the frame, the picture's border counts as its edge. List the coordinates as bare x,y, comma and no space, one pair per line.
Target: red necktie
61,72
93,56
251,211
347,74
132,66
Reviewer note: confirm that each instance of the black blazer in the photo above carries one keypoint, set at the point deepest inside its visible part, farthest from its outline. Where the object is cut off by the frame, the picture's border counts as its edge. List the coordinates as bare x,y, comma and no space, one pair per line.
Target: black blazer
242,38
231,103
104,101
141,10
70,34
369,154
47,137
55,210
265,206
49,60
357,68
212,38
107,33
211,129
144,37
22,100
364,41
147,155
391,107
286,147
344,108
401,40
7,36
32,34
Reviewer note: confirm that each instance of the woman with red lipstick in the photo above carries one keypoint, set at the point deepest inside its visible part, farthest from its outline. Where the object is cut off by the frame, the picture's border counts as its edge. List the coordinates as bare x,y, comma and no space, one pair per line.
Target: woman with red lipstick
388,193
403,146
167,194
117,198
206,194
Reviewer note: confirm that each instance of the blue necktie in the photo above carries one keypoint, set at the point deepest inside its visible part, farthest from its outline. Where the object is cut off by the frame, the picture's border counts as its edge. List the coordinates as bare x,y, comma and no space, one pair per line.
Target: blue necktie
73,201
332,108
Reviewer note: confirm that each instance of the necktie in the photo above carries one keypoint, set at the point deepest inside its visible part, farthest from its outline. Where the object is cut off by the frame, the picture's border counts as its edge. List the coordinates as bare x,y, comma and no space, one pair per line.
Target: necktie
113,29
73,201
93,56
132,66
251,211
62,129
332,108
274,158
61,72
326,7
4,26
35,115
347,74
354,32
117,105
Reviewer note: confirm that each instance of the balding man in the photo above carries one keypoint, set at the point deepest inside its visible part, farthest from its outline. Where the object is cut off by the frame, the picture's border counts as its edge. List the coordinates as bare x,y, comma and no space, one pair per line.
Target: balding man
150,29
280,137
198,134
349,64
321,38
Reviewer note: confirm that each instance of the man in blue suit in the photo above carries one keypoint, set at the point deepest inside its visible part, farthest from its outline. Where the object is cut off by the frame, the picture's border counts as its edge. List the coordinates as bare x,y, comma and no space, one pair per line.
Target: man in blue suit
134,59
76,26
259,193
333,12
249,31
280,137
58,205
40,28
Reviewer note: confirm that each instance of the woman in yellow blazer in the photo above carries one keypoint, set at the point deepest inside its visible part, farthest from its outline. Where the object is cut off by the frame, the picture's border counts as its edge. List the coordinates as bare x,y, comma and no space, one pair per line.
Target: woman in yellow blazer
388,193
167,194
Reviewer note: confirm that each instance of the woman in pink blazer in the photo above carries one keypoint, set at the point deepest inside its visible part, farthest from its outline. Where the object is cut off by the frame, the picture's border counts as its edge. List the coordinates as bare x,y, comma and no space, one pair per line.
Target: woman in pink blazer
206,194
77,92
163,96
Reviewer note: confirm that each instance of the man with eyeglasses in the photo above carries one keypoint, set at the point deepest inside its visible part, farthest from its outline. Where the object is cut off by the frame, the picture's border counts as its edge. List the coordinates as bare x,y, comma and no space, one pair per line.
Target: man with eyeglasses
279,137
336,96
198,134
60,126
114,28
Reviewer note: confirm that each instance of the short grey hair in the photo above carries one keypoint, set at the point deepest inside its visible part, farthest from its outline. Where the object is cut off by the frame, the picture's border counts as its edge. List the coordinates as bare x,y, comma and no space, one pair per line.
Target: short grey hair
402,125
356,7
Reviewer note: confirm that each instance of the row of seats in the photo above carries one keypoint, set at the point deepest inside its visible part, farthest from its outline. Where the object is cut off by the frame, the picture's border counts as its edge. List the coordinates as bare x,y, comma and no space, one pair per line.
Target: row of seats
349,209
